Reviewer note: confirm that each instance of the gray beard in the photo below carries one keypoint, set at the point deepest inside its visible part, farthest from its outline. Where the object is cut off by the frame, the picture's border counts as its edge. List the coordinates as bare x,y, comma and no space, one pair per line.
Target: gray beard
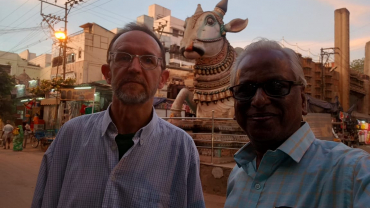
133,99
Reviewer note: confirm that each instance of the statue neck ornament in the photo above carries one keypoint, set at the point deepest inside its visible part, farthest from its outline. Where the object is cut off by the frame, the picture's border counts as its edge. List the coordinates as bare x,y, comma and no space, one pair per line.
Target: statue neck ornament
215,64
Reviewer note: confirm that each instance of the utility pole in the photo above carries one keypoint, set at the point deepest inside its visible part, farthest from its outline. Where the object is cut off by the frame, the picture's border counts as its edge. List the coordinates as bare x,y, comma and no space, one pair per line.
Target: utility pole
51,20
324,52
160,28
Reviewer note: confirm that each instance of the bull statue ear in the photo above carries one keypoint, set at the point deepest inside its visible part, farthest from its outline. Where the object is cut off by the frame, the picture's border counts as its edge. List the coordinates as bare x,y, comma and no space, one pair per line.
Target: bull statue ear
236,25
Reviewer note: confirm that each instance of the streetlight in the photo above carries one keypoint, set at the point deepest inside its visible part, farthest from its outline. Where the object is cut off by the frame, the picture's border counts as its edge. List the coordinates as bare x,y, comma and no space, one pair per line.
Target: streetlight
62,37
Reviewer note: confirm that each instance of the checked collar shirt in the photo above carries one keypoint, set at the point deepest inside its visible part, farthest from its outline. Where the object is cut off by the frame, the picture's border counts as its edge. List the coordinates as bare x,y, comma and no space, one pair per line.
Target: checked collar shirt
302,172
81,167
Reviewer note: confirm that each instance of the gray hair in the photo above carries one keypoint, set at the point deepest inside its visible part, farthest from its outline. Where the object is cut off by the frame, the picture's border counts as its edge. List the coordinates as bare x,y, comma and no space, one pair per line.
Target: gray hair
264,44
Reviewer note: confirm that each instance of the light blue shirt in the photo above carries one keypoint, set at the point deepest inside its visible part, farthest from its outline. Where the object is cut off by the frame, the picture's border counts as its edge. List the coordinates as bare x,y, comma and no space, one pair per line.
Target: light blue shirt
302,172
81,168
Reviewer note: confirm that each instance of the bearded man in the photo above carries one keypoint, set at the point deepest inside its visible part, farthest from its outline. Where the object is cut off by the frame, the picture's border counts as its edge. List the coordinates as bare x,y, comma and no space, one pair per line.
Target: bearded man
125,156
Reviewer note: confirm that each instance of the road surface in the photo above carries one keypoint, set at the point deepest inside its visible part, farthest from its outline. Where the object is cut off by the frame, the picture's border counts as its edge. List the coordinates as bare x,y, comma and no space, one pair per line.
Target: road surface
18,176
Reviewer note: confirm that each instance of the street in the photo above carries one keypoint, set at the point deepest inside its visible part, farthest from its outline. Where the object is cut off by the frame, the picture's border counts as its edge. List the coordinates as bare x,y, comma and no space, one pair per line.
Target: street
18,178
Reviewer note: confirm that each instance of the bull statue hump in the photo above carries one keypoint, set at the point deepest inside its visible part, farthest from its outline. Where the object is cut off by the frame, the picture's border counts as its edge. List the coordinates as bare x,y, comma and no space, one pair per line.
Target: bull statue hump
205,41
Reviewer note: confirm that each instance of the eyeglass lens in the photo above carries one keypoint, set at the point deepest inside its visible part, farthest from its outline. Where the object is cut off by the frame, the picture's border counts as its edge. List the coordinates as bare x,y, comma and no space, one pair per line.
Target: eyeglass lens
274,88
146,61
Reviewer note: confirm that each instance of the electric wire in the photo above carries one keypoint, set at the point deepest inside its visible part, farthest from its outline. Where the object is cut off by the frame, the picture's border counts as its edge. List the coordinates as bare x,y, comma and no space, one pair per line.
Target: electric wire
14,11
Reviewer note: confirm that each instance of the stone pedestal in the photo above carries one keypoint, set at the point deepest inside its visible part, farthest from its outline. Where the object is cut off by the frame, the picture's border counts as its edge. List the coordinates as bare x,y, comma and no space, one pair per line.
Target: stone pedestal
228,138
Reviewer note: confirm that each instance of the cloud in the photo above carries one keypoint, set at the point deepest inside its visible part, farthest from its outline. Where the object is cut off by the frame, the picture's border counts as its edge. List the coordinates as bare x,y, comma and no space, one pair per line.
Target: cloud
357,10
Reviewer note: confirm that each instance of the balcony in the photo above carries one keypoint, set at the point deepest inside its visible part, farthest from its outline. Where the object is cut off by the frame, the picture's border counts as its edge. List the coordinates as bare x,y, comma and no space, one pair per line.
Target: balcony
307,71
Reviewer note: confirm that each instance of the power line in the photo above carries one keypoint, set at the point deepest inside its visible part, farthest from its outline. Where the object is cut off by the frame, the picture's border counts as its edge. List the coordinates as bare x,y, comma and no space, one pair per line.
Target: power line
14,11
22,16
8,31
74,13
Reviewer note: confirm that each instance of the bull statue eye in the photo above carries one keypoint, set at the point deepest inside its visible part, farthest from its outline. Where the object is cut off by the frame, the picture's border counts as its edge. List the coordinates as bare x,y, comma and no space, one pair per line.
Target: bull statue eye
210,20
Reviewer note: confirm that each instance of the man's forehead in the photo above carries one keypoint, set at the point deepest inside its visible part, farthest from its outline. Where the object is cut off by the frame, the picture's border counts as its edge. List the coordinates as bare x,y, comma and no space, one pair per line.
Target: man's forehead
135,39
269,64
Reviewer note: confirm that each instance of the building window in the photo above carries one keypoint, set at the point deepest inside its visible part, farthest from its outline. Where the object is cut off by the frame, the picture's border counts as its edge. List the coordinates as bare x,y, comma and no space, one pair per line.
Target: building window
71,58
57,61
79,53
175,33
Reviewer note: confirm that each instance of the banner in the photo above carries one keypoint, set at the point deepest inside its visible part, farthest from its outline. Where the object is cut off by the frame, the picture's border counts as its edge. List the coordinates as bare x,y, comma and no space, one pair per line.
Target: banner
81,94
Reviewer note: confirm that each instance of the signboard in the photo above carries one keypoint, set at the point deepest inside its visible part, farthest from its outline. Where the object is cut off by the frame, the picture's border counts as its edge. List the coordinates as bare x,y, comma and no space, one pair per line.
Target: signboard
21,89
32,84
71,75
80,94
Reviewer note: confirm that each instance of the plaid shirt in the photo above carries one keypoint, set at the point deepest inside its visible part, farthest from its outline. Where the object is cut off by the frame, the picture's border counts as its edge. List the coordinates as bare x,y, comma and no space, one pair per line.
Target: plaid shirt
302,172
81,168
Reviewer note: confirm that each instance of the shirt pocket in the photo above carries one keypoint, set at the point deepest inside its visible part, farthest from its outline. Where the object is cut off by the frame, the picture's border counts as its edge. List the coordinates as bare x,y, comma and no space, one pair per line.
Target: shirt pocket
150,198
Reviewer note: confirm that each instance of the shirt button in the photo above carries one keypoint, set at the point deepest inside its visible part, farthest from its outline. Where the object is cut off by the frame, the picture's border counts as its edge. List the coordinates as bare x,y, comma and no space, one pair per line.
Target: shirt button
114,147
257,186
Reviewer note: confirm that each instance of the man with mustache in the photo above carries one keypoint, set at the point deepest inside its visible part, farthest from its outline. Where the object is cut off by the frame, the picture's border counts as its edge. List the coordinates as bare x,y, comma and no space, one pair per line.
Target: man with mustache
284,165
125,156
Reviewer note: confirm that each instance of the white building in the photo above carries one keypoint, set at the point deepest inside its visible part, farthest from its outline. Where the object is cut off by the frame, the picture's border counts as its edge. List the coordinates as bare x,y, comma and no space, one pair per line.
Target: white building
86,53
170,30
15,65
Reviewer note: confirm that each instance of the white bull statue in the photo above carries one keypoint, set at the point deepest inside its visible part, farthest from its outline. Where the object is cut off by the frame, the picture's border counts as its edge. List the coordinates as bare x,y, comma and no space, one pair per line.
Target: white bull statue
205,41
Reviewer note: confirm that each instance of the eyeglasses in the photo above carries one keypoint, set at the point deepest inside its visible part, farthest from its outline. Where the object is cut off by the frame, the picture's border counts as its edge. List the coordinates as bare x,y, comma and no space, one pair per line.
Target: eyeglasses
124,59
276,88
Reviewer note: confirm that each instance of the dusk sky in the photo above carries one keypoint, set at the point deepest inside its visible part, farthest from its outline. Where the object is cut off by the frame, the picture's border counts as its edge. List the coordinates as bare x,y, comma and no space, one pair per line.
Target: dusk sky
308,24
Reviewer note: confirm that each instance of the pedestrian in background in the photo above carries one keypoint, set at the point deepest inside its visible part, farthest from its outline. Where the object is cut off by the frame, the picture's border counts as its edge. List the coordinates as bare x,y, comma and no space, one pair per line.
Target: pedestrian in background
18,139
125,156
284,165
7,134
27,132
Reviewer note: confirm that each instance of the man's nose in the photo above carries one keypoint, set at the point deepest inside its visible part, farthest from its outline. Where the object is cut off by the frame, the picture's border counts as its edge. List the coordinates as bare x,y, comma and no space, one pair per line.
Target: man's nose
260,99
135,64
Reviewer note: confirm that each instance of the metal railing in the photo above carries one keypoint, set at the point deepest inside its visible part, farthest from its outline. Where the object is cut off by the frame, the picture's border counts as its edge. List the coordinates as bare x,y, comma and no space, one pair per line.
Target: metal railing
213,134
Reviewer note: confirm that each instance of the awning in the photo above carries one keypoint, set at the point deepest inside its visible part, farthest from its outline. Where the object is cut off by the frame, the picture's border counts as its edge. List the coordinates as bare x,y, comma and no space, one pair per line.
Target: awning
50,101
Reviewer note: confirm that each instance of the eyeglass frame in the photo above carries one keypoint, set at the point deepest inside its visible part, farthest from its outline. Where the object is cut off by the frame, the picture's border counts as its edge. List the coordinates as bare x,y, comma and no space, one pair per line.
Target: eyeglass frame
262,85
132,58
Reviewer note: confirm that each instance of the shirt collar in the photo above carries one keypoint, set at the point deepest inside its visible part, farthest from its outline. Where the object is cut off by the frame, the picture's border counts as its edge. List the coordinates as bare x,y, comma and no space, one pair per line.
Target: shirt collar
106,121
295,146
143,133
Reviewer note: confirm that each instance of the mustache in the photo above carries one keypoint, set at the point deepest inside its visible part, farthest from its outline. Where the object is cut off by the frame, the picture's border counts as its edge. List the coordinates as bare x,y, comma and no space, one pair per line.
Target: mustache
131,79
196,49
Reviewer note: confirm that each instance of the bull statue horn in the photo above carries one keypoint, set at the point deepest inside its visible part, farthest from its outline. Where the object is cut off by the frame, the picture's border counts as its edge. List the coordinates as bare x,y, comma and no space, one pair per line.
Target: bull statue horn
199,10
221,8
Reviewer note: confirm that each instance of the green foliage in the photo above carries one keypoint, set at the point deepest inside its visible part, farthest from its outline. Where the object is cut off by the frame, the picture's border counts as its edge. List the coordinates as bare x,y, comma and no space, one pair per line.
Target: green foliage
46,85
358,65
7,83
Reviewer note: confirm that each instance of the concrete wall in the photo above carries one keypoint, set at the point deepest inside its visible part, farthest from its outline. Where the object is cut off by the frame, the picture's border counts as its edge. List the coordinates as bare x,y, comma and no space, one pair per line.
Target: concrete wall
27,55
146,20
43,60
214,178
342,59
158,12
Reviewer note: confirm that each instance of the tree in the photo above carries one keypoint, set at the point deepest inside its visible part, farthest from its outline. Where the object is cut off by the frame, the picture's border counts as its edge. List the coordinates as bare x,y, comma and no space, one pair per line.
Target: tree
358,65
46,85
7,83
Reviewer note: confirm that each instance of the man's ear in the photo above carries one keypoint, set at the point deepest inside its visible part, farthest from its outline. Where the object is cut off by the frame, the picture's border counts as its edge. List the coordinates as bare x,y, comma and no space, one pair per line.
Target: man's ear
304,102
105,70
163,79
